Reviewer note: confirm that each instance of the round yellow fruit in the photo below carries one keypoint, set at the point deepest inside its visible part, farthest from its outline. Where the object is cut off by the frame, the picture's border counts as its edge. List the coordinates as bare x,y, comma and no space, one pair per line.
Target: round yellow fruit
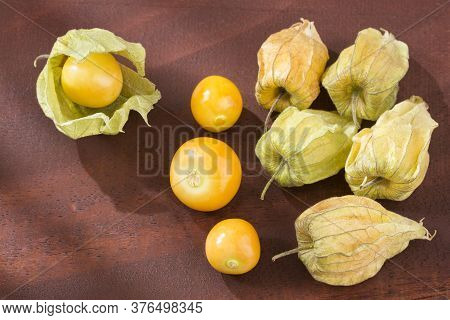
233,246
93,82
216,103
205,174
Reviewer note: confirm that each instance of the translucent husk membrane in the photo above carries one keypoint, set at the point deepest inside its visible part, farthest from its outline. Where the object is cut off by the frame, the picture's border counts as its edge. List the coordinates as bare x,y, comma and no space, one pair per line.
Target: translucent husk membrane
390,160
343,241
363,82
306,146
76,121
291,63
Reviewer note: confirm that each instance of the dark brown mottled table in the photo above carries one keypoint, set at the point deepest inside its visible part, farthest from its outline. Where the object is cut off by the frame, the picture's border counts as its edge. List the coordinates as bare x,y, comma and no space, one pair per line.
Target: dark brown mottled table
68,225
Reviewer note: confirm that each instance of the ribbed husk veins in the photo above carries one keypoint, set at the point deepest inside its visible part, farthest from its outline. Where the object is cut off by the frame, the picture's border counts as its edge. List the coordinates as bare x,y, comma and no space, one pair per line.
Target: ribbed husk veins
291,63
363,82
306,146
346,240
390,160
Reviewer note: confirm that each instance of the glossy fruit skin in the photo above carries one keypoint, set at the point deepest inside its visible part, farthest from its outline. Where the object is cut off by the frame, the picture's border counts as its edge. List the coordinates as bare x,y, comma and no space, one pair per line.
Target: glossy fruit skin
205,174
232,247
216,103
93,82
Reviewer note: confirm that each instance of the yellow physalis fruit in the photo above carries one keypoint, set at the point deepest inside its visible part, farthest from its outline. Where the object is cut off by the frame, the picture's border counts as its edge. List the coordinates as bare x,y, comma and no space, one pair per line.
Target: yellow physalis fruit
291,63
304,147
86,91
233,247
216,103
363,82
94,82
390,160
205,174
346,240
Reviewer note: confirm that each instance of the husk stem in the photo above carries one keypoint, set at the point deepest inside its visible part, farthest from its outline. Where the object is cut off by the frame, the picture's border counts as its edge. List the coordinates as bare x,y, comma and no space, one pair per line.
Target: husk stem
295,250
353,106
40,57
266,187
266,122
366,183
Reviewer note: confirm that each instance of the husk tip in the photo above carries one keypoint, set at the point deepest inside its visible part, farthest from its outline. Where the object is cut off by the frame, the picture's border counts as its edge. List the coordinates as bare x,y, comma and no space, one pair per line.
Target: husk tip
428,236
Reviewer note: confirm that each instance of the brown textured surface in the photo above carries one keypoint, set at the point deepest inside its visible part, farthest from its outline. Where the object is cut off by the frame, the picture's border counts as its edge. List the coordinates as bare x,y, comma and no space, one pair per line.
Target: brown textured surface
56,194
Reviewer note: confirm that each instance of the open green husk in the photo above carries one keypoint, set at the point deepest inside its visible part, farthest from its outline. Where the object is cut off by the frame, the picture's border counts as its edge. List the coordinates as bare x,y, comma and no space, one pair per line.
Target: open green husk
76,121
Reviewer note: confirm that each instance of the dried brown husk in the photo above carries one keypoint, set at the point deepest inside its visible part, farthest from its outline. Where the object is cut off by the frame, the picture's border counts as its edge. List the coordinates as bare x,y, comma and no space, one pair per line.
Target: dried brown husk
390,160
363,82
291,63
343,241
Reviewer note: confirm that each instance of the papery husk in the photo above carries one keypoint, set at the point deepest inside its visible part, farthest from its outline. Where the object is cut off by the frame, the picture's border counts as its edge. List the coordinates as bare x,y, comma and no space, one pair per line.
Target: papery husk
76,121
343,241
306,146
390,160
291,63
363,82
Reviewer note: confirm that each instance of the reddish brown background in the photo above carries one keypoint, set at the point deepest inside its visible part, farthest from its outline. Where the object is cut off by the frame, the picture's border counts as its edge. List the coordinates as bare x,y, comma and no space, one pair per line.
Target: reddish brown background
56,194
